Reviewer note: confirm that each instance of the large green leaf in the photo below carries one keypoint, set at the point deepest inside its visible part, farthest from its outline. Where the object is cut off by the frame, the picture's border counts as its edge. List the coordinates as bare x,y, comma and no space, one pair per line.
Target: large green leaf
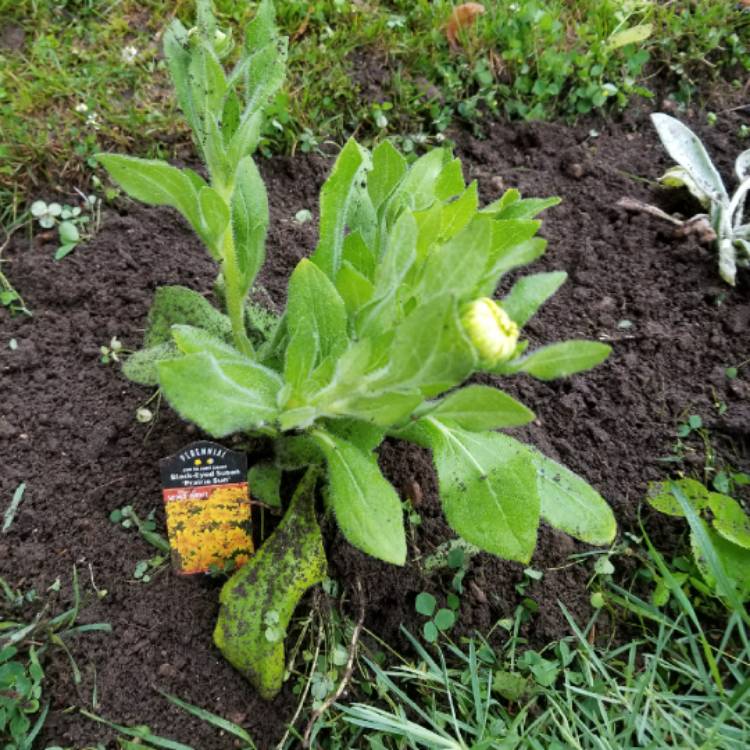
316,321
335,199
249,220
429,350
177,53
258,601
221,397
528,294
179,305
480,407
441,275
563,359
388,168
571,504
367,508
488,489
155,182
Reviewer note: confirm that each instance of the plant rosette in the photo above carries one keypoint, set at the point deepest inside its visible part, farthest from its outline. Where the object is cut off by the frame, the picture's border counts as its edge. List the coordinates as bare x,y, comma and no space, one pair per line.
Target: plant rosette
384,324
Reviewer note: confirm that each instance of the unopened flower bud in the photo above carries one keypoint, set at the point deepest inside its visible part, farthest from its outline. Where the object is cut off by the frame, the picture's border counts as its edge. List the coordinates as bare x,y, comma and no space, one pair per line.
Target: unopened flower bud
490,329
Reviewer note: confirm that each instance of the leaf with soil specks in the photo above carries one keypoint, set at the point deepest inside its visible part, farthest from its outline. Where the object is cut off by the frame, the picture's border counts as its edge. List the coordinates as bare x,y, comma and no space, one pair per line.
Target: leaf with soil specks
290,561
571,504
367,508
488,489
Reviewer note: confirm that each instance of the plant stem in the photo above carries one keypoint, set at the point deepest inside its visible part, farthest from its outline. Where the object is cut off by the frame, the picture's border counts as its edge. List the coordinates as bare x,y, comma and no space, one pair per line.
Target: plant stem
234,295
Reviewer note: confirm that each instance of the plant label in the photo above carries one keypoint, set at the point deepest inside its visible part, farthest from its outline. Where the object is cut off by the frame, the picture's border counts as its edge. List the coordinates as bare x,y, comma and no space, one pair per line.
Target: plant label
207,505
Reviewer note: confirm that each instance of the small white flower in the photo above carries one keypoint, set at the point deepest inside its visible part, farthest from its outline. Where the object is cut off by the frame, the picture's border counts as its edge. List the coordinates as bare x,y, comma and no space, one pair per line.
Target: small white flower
491,330
144,415
82,107
45,214
93,121
129,54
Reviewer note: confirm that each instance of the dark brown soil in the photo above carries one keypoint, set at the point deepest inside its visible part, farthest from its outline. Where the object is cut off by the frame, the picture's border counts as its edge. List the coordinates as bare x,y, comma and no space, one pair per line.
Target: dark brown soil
68,428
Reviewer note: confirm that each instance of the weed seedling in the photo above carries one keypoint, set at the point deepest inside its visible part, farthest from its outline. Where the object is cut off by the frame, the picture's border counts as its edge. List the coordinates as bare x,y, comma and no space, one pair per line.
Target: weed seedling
440,619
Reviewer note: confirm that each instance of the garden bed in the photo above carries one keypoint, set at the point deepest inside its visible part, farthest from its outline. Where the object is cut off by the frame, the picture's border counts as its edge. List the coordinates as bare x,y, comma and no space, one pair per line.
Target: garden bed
69,431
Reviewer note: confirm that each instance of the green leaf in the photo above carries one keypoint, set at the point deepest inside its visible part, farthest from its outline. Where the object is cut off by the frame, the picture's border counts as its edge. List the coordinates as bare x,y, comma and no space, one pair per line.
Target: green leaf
480,407
264,481
365,436
220,397
249,220
660,496
68,233
509,685
140,366
262,29
335,199
633,35
456,215
687,150
177,53
180,305
430,632
265,75
439,270
562,359
274,580
388,169
445,619
425,604
523,210
435,362
192,340
156,183
384,409
367,508
528,294
730,520
355,289
488,489
214,214
316,321
571,504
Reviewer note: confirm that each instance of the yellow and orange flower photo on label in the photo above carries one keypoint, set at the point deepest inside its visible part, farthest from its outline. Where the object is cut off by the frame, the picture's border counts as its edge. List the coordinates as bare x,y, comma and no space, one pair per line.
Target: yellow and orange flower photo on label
209,519
209,526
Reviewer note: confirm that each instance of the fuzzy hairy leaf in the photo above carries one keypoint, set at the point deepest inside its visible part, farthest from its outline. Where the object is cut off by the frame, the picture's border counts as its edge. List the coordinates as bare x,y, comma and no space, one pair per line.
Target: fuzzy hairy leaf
249,220
528,294
157,183
270,585
140,366
687,150
488,489
179,305
480,407
221,397
367,508
571,504
335,199
562,359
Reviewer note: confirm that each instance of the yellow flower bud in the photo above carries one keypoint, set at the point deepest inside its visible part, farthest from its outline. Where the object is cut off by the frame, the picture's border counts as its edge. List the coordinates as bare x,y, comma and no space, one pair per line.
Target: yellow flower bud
490,329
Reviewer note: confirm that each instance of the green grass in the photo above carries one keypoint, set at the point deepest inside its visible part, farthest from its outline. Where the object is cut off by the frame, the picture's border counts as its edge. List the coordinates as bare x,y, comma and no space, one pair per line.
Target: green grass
355,67
28,631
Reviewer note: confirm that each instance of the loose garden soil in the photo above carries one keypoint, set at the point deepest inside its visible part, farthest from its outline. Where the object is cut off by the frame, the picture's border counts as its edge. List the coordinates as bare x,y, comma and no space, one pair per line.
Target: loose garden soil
68,428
